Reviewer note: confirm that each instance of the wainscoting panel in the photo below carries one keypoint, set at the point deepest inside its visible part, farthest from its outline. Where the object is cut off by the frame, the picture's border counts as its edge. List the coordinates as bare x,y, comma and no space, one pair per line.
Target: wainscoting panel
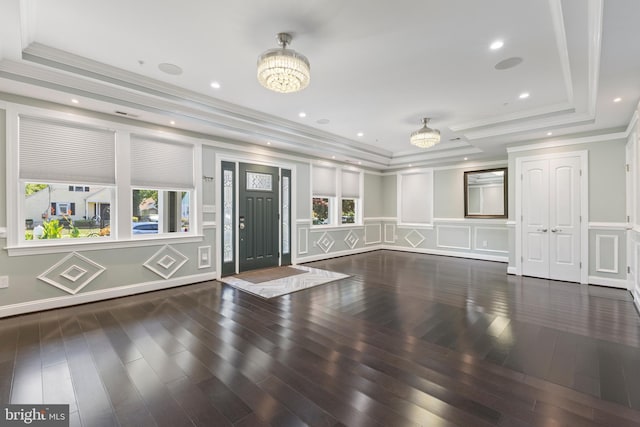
491,239
303,241
372,234
453,236
389,233
607,253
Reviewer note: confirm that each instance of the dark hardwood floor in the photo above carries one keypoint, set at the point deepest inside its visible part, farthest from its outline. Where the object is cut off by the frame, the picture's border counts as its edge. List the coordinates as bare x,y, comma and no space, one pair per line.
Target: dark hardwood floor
408,339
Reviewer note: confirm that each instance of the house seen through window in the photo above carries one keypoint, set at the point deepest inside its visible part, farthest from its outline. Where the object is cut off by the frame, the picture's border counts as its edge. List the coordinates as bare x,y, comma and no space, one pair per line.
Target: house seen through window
57,211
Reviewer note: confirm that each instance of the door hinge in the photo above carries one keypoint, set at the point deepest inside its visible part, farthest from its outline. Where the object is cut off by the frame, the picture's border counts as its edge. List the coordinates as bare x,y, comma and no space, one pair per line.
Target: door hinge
580,172
581,218
627,167
628,218
628,269
521,259
521,176
580,264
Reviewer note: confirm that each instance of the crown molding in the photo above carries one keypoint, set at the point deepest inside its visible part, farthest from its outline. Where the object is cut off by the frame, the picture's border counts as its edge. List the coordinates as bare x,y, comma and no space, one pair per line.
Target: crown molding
73,74
557,17
608,137
562,114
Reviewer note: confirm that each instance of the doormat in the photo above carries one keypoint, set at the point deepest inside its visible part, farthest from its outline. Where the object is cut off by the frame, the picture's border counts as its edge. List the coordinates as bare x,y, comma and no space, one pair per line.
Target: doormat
307,278
268,274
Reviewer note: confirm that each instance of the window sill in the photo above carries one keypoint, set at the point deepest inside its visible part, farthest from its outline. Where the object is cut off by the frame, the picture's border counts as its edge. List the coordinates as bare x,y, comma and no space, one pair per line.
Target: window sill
334,227
56,247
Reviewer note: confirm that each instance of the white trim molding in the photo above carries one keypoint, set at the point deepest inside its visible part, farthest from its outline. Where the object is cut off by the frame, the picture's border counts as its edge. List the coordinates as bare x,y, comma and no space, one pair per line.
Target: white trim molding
204,257
475,239
441,227
599,253
392,227
455,254
606,281
102,294
621,226
366,234
303,232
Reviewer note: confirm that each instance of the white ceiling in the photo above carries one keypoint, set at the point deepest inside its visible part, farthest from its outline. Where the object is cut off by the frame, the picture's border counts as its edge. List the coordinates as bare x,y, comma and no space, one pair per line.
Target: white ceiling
377,68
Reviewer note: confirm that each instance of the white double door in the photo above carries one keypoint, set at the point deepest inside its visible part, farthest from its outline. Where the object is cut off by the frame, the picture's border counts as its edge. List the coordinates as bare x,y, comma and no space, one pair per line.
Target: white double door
551,218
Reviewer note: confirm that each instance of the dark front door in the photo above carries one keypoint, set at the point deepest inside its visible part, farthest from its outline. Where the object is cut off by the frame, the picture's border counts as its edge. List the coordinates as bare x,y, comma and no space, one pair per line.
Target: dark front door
258,222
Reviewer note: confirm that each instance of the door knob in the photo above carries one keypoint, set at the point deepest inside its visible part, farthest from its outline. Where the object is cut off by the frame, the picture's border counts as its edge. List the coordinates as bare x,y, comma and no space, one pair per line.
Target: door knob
544,230
556,230
242,226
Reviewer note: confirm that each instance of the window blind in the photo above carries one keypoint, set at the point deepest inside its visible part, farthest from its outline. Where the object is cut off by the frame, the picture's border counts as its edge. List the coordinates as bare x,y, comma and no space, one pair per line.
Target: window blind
161,164
350,184
324,181
55,151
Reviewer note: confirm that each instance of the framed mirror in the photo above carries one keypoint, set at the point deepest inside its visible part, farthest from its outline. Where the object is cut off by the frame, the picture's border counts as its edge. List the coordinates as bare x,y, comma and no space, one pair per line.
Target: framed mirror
485,193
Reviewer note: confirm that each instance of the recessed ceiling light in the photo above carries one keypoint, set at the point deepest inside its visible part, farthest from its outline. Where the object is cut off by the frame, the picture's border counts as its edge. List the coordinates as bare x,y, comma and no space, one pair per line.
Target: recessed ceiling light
524,95
302,114
617,99
215,85
333,157
268,142
359,163
172,122
360,133
75,101
496,45
549,133
410,165
466,158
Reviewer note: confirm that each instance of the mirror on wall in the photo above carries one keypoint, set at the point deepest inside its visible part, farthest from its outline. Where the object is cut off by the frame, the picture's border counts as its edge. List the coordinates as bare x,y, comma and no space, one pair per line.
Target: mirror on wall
485,193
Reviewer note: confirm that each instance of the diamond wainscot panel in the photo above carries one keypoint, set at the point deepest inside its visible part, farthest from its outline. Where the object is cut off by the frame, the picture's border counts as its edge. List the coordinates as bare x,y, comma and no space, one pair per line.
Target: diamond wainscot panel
351,240
325,242
166,262
72,273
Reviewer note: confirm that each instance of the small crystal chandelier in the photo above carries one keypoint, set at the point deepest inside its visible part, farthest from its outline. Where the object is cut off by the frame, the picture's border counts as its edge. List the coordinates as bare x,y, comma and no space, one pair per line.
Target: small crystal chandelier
425,137
283,70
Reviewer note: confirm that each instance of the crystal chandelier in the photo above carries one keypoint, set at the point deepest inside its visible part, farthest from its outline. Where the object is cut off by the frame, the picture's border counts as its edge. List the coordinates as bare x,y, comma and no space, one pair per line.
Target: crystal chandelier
283,70
425,137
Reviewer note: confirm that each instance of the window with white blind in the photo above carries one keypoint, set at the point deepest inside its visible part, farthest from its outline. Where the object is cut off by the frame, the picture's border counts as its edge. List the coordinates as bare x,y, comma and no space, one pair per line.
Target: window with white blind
66,170
335,196
162,178
57,162
415,201
350,197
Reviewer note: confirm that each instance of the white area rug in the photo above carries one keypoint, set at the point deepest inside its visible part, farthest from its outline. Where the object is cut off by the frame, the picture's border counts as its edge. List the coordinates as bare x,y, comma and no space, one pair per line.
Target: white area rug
275,288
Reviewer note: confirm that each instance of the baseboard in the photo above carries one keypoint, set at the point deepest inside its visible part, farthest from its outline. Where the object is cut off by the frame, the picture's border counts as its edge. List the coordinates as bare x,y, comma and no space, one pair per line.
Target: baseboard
605,281
512,270
636,299
102,294
378,247
468,255
321,257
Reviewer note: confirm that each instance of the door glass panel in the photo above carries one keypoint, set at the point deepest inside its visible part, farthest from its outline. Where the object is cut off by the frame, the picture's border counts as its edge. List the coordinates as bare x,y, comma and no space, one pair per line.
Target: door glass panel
259,181
285,215
227,240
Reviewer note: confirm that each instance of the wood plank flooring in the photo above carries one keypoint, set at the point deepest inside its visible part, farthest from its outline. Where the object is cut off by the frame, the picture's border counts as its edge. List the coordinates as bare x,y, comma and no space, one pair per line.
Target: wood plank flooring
407,340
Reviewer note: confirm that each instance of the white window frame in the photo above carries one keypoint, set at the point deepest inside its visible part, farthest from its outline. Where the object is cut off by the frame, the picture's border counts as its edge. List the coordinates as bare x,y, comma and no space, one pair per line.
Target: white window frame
121,234
335,202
